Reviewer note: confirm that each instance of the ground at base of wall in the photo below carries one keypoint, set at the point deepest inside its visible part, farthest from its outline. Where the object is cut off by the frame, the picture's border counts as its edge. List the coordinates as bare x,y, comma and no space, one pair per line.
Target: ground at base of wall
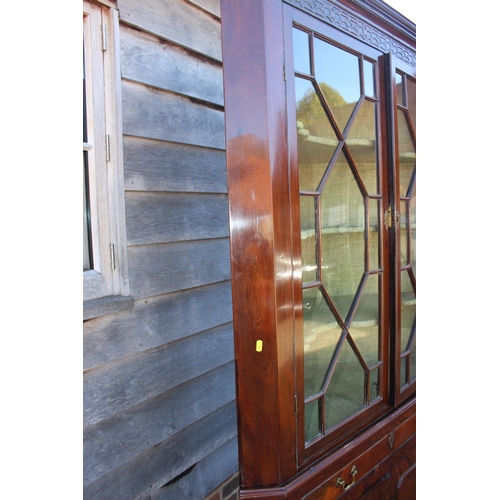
228,490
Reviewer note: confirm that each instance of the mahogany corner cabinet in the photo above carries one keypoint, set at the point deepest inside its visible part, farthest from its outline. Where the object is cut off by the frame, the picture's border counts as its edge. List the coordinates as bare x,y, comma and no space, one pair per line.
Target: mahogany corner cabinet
320,103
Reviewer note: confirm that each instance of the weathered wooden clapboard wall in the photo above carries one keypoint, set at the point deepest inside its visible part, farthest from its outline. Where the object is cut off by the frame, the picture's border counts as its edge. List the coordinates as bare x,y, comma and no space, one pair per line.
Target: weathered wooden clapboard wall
159,395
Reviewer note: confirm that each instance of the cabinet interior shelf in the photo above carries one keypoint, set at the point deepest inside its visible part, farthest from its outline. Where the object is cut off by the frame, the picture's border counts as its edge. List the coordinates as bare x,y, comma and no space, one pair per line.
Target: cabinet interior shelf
307,233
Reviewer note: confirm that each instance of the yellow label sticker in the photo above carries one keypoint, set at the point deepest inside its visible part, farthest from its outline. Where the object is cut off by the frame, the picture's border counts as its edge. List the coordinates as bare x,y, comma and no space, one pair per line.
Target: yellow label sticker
258,346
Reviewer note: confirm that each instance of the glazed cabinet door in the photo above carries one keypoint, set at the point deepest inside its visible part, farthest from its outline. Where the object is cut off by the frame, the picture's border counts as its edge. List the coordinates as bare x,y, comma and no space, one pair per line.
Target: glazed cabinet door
402,103
320,138
339,192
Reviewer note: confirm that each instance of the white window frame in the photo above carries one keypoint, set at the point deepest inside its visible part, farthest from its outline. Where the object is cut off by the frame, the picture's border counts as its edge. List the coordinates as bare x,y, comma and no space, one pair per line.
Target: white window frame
108,280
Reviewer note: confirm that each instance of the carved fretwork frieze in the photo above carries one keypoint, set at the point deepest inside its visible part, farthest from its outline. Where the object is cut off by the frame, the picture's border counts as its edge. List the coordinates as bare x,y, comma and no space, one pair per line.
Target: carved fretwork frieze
349,23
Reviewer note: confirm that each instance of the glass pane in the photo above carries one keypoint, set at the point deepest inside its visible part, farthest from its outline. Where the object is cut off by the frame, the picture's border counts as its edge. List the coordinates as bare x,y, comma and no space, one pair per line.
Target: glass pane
346,392
413,361
312,420
399,89
412,101
364,327
316,139
362,145
374,234
86,210
337,73
321,335
301,57
86,222
369,78
402,373
343,243
308,239
407,154
408,309
403,231
374,384
413,237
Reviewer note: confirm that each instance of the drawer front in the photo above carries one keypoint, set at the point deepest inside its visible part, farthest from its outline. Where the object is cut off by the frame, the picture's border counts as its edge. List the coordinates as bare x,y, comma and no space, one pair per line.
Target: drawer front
369,467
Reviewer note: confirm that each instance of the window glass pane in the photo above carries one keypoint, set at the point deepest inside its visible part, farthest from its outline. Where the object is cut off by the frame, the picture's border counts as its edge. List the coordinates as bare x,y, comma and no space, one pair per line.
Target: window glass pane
316,139
399,89
403,233
321,335
407,156
338,76
413,361
369,78
412,101
373,234
362,145
413,229
364,327
312,420
86,207
86,241
301,57
346,392
308,239
374,384
408,309
343,242
402,372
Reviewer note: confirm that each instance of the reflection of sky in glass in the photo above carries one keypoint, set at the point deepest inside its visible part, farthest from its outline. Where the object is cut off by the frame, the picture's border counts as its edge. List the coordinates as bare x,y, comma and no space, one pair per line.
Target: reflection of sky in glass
337,68
369,78
301,51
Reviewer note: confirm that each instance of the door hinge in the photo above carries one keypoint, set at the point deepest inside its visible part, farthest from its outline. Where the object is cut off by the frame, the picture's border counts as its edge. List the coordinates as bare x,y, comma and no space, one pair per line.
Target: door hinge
284,71
112,254
104,37
108,153
296,404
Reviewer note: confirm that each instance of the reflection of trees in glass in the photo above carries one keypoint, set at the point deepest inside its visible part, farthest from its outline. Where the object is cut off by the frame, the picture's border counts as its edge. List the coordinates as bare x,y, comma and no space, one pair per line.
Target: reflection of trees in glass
311,113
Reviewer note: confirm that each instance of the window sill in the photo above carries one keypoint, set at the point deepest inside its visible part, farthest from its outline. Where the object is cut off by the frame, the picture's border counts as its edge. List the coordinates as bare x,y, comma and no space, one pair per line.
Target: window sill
106,305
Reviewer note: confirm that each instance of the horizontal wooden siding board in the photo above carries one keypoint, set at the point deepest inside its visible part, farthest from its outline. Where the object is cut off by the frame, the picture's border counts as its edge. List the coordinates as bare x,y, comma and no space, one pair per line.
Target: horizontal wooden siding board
154,322
157,466
117,440
165,66
162,166
168,217
205,477
178,21
157,114
114,388
212,6
167,267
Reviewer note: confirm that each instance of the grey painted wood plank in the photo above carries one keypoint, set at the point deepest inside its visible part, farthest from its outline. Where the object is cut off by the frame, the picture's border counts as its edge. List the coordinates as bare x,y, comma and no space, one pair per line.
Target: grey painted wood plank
177,21
162,166
147,472
114,388
205,477
106,305
156,114
159,64
168,217
117,440
154,322
212,6
168,267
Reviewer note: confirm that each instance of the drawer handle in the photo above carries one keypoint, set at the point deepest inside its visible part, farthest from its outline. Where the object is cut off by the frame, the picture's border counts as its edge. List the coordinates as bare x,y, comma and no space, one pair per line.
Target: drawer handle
392,437
340,482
